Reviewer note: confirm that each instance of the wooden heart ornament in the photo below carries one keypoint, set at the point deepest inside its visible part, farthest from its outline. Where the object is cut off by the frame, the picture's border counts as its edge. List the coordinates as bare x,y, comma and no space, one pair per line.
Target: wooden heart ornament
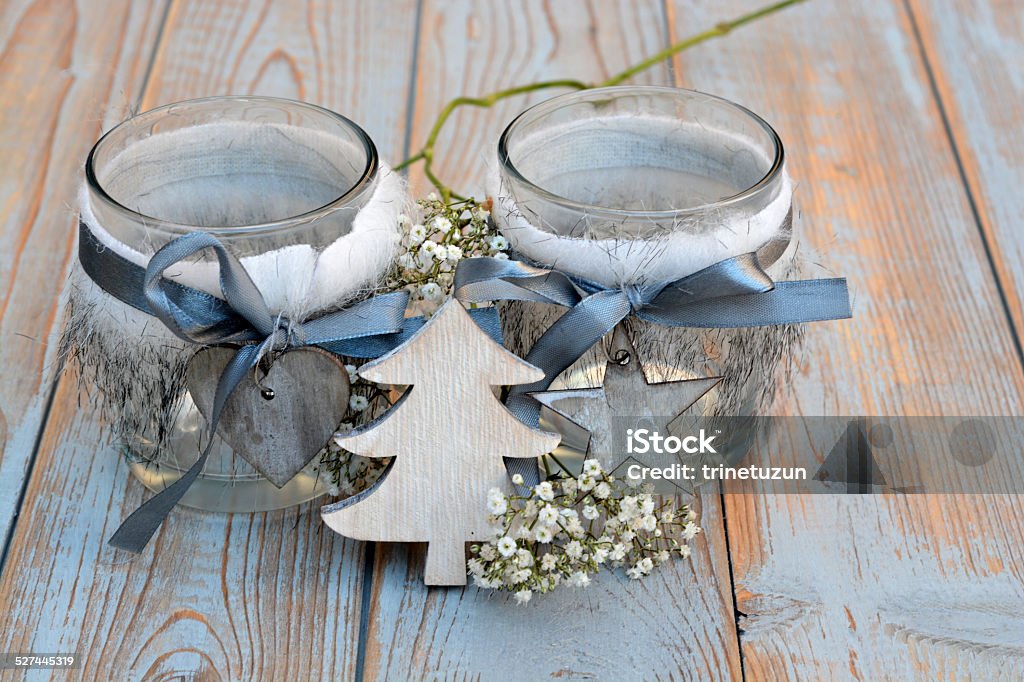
280,424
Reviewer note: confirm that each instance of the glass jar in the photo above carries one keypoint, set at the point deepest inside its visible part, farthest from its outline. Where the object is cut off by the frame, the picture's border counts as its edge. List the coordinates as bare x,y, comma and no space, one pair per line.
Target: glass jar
261,174
627,185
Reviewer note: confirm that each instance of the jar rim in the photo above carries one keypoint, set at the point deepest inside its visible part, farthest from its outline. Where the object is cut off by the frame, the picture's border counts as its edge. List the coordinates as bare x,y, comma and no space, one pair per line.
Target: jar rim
547,106
367,176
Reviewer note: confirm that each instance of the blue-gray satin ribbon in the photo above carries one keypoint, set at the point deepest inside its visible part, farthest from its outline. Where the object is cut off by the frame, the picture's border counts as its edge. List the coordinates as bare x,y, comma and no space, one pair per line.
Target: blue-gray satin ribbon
734,292
366,329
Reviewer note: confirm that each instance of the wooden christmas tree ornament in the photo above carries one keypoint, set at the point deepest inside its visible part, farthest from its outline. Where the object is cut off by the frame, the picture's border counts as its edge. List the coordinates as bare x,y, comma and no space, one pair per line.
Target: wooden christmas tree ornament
447,435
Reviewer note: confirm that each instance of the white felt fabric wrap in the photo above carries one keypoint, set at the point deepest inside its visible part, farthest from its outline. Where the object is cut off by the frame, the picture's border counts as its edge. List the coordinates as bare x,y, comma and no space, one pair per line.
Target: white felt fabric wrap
297,280
615,262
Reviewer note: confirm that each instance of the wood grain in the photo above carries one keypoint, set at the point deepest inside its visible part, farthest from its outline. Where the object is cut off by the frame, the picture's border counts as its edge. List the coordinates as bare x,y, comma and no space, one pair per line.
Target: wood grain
278,435
442,436
975,51
261,596
475,48
469,48
880,587
64,74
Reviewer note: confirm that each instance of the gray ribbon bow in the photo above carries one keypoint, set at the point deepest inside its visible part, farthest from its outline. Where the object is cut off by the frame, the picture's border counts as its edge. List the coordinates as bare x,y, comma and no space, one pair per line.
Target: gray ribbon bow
734,292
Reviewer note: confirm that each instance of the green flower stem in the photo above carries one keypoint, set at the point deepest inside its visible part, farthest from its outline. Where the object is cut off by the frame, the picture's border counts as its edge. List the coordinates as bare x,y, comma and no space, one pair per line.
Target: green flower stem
426,154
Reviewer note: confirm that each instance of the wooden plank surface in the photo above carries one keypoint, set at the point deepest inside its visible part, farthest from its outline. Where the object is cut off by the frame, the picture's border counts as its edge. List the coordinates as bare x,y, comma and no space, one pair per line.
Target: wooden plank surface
975,51
680,623
63,75
235,597
915,587
926,586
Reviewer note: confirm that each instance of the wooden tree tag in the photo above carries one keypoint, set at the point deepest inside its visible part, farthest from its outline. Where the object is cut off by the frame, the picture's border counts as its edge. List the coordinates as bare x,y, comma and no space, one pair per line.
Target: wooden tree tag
448,437
278,435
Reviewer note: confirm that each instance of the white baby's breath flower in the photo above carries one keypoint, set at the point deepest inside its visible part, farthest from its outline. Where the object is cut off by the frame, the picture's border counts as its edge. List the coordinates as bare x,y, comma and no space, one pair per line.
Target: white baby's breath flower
590,513
454,253
634,572
429,248
586,483
545,491
440,252
568,513
542,534
592,467
432,196
497,243
333,490
358,403
404,221
646,565
548,515
548,562
574,550
417,233
488,552
579,579
646,505
690,531
574,528
524,559
353,373
684,551
691,515
500,256
497,506
602,490
441,224
431,291
523,596
569,486
517,479
618,552
663,556
506,546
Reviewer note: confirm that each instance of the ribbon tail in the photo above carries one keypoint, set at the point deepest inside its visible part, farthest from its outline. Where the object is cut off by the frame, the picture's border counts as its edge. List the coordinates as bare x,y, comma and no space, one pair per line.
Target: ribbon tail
138,529
556,350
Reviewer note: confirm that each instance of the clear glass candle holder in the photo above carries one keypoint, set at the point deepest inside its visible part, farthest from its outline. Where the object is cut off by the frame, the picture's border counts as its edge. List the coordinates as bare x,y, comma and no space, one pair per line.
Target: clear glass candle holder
260,174
632,184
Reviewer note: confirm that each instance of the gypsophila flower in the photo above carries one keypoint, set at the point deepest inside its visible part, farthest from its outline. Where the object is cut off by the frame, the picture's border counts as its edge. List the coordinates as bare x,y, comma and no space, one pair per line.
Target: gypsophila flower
592,467
431,291
441,224
690,531
547,516
517,479
523,596
564,530
500,256
498,243
353,373
497,506
417,233
506,546
358,403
